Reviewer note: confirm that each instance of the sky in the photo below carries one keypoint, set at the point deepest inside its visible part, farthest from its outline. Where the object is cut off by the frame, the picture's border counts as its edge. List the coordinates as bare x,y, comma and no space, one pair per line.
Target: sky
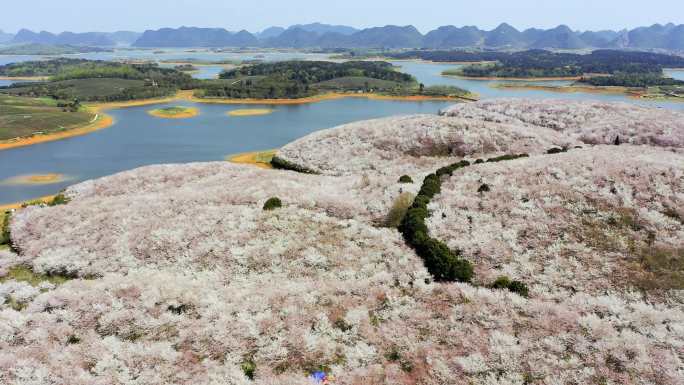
255,15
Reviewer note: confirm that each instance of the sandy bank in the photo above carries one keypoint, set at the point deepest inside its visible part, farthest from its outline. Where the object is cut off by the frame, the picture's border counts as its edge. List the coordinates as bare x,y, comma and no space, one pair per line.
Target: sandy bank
633,93
261,159
250,112
24,78
546,79
19,205
34,179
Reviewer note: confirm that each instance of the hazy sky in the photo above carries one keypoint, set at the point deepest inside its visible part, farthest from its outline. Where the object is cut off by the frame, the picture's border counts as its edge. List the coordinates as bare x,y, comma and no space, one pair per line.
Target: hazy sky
255,15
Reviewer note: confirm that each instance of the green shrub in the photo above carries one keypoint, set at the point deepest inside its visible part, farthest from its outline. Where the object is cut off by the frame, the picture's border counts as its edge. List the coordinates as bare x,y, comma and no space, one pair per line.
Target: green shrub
73,339
405,179
555,150
272,204
4,229
484,188
501,283
479,161
59,199
248,368
517,287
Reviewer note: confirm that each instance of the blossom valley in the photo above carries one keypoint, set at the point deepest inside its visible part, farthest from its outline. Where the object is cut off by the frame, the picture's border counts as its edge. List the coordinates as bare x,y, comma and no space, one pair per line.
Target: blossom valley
567,217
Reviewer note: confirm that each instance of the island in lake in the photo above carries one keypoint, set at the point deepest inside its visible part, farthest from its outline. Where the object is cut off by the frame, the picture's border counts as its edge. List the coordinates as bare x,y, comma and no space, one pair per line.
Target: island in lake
635,73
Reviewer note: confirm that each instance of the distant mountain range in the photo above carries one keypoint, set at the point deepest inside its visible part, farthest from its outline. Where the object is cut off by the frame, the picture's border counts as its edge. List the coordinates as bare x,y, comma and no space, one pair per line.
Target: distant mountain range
317,35
505,36
102,39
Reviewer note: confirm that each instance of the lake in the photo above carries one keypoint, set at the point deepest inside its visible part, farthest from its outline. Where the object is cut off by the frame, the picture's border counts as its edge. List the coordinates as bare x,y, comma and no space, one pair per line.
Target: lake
137,139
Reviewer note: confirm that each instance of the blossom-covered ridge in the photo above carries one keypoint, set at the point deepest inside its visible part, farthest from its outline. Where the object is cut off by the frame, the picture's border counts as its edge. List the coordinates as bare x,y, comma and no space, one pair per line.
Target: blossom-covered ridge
587,220
591,122
413,144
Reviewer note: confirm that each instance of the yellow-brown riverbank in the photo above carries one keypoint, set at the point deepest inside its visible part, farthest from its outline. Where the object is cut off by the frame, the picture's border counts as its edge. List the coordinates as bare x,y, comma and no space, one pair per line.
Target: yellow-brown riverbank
250,112
24,78
19,205
261,159
490,78
34,179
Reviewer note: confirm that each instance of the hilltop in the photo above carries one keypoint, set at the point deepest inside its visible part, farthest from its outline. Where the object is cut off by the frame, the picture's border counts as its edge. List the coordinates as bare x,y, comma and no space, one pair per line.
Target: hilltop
183,273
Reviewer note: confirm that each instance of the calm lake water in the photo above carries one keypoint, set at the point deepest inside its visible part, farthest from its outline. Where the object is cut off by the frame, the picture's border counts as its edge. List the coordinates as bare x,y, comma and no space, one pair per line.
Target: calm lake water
137,139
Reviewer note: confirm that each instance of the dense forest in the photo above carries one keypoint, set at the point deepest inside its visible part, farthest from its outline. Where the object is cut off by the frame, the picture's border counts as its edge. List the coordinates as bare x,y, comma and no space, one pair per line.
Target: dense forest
541,63
309,72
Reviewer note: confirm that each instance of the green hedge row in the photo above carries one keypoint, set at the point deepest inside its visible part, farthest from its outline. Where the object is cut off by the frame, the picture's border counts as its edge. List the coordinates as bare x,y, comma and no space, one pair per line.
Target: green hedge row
282,164
444,264
4,229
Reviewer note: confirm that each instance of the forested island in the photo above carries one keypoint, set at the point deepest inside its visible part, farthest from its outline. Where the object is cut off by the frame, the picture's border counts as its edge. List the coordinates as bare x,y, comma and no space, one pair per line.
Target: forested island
546,64
301,79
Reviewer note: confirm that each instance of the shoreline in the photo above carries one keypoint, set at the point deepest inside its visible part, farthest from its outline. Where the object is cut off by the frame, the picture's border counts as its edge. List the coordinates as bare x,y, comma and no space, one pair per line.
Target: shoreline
259,159
18,205
490,78
103,120
25,78
613,90
329,96
250,112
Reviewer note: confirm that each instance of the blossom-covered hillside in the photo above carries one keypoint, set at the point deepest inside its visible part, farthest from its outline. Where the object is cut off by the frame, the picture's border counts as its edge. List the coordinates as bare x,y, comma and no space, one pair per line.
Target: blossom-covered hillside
413,144
589,220
588,121
177,274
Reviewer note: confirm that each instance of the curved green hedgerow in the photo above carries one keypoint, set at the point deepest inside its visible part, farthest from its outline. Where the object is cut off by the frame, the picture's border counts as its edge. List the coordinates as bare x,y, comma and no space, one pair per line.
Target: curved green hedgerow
517,287
283,164
4,229
441,262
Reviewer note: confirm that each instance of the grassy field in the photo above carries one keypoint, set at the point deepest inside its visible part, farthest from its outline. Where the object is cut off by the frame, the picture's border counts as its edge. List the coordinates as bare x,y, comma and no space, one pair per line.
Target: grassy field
21,117
175,112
